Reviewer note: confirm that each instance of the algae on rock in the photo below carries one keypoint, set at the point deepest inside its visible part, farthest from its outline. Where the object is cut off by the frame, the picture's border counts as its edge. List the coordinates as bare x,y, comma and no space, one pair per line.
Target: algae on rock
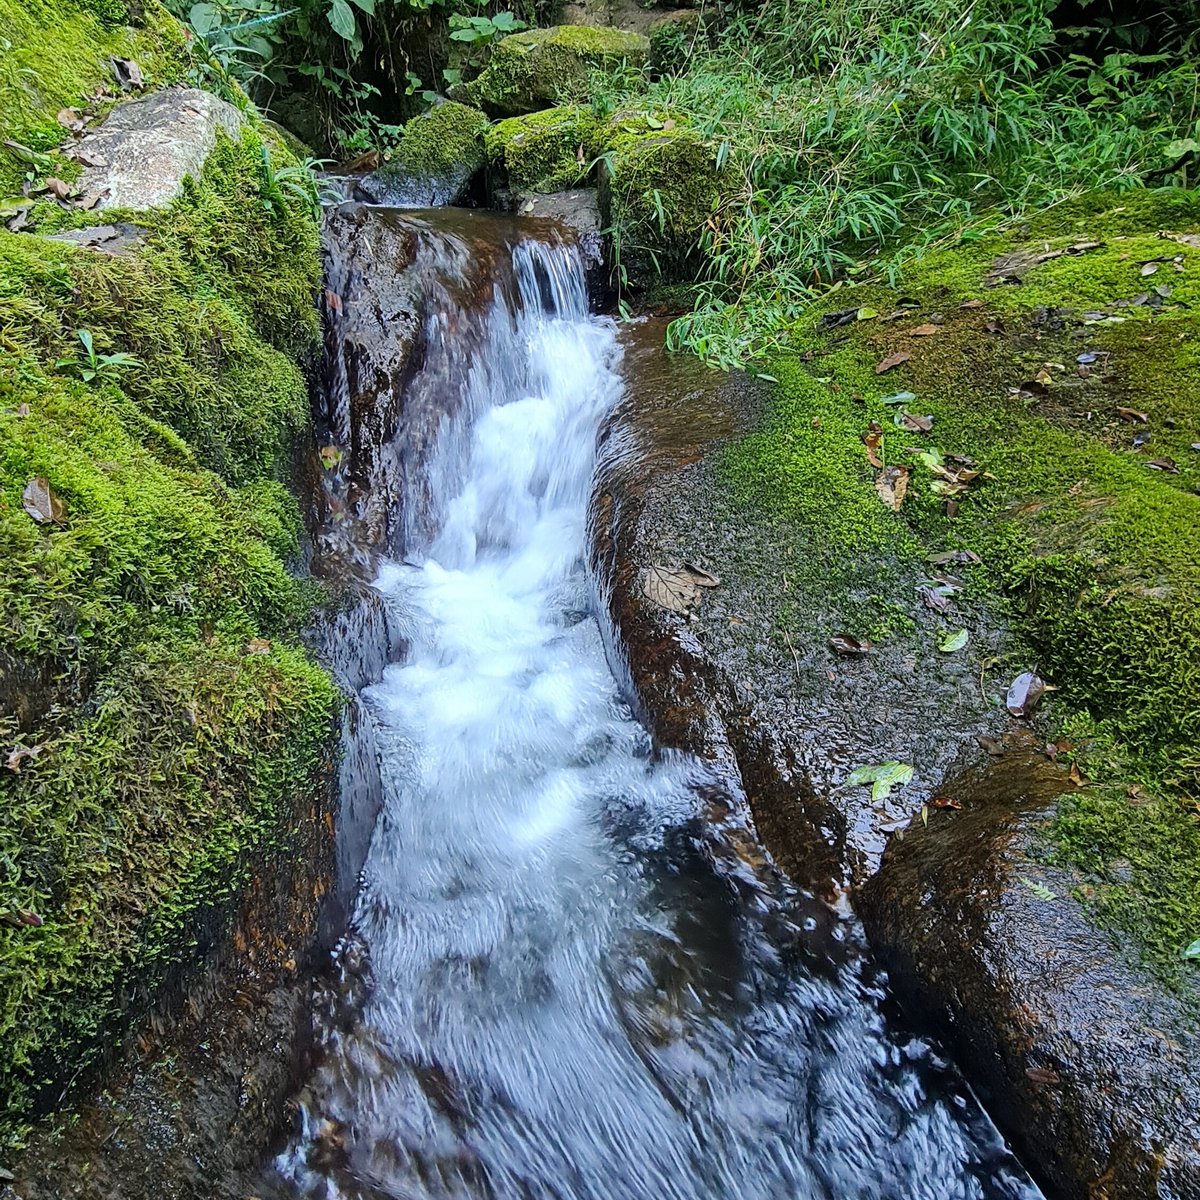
541,68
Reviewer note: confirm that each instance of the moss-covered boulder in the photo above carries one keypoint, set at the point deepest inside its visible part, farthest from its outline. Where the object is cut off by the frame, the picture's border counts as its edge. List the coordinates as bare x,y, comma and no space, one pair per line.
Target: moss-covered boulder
543,67
441,152
162,730
659,190
545,151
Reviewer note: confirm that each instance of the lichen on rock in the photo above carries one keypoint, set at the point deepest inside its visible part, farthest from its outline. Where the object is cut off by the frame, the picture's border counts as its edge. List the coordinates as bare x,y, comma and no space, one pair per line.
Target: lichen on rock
541,68
441,152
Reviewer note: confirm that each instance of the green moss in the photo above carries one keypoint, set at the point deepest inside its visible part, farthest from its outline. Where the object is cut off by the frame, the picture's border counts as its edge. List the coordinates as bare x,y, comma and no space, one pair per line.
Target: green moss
58,57
660,189
446,141
541,68
1090,552
148,642
542,152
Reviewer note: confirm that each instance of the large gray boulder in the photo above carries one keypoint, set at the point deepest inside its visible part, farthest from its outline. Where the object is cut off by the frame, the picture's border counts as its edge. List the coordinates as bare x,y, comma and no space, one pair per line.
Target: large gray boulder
144,149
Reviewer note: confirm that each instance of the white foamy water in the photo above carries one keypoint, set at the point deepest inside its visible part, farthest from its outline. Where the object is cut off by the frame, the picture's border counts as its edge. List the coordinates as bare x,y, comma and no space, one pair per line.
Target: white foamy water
564,998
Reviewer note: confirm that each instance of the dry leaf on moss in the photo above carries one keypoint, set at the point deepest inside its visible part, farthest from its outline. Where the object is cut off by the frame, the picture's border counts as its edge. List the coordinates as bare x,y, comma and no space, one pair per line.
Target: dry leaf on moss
677,589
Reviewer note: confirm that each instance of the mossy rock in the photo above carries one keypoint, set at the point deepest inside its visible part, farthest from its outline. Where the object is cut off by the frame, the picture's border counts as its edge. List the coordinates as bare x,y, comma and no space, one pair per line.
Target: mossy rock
545,151
659,188
58,54
541,68
1086,537
441,152
169,725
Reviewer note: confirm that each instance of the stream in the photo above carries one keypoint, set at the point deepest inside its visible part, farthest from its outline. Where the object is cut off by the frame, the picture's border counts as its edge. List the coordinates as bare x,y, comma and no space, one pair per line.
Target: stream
558,980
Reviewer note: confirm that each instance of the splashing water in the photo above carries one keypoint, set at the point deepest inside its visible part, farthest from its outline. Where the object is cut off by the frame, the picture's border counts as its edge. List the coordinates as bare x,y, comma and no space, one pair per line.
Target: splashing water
551,989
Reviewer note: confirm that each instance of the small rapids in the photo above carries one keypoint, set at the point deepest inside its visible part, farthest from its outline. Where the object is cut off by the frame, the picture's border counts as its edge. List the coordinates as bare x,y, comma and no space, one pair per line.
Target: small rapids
557,983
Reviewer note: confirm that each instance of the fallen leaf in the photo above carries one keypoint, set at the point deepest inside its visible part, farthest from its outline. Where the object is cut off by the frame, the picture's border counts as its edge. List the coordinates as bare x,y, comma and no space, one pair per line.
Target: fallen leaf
873,440
1040,890
867,313
59,187
128,73
676,590
848,644
913,423
89,158
954,556
935,599
22,918
882,778
994,327
899,398
20,755
1192,951
926,330
1032,387
891,484
944,802
1024,694
952,641
40,502
971,304
1184,239
1043,1074
892,360
258,646
701,577
1132,414
331,456
1148,269
1076,776
1164,464
992,745
18,218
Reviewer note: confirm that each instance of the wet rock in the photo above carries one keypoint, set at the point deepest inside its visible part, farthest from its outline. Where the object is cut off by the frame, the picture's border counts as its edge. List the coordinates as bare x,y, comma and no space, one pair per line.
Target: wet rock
1088,1065
543,67
579,210
441,153
149,146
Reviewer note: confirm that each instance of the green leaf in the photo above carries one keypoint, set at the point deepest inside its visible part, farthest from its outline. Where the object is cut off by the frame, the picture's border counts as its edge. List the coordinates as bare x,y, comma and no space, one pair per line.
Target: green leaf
1193,951
465,35
1180,147
882,777
367,6
506,22
1040,890
899,398
204,18
866,313
953,640
341,19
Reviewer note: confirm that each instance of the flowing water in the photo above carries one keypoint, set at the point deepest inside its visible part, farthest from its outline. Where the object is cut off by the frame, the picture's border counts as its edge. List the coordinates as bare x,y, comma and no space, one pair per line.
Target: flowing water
552,987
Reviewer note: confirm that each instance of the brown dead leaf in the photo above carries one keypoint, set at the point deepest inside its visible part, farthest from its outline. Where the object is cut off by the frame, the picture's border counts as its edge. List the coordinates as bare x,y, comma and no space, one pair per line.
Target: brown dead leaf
40,502
934,599
69,118
914,423
994,327
891,485
59,187
926,330
1076,776
258,646
20,755
944,802
1042,1075
1132,414
1184,239
1167,465
892,360
128,73
676,590
971,304
848,644
89,158
873,440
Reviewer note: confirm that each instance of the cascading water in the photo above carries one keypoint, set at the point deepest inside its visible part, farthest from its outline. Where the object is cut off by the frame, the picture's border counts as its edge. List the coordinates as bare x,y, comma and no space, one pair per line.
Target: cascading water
553,988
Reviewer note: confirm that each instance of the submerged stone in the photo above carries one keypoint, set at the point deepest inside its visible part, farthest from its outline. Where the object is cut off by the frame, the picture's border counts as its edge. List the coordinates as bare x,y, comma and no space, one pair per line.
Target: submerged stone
146,148
543,67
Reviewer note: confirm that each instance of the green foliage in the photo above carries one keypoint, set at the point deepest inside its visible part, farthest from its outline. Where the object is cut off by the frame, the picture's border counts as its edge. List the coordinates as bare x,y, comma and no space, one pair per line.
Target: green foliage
167,726
852,130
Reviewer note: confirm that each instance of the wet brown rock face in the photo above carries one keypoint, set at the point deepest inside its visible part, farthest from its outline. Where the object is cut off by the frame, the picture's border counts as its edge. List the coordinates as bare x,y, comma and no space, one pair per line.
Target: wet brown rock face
1091,1069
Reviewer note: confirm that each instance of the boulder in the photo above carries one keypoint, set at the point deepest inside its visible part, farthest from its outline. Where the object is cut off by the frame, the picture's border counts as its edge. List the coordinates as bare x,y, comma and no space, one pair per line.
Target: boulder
441,152
659,188
544,151
543,67
1084,1061
144,149
579,210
